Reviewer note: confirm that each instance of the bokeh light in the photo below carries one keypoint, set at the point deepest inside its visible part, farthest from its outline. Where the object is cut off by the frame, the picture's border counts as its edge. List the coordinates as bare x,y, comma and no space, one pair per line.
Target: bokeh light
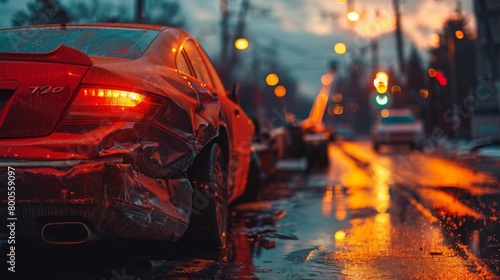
435,38
280,91
340,48
382,76
241,44
353,16
337,97
272,79
395,89
338,109
384,113
459,34
424,93
382,99
326,79
339,235
432,72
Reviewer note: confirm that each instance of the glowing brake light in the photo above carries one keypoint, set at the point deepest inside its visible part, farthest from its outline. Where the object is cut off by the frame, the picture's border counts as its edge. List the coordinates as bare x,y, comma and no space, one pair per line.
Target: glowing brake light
95,103
109,97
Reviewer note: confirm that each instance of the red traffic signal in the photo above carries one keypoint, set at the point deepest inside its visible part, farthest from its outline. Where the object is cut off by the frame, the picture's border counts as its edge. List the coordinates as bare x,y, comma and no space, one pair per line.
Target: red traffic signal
441,78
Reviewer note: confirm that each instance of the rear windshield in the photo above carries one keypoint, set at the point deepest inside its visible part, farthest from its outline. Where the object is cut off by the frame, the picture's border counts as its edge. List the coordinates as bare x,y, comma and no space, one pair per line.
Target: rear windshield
398,120
94,41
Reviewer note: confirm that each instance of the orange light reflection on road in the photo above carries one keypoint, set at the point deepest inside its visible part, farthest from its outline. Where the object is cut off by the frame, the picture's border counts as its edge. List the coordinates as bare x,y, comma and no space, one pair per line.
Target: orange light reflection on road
340,203
439,172
326,206
383,179
340,235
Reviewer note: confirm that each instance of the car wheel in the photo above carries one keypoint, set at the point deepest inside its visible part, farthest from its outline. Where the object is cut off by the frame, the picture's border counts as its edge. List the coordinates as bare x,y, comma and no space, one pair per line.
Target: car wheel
208,176
376,147
254,180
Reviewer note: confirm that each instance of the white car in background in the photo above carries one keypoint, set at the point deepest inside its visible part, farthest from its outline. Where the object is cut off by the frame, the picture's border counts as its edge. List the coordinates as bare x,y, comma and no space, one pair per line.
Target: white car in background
396,126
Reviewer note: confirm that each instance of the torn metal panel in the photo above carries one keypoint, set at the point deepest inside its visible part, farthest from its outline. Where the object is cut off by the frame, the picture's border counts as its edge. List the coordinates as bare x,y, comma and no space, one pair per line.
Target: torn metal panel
112,197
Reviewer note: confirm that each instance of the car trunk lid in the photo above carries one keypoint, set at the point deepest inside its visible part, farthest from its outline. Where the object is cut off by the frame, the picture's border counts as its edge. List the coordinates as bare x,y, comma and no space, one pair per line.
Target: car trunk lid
35,89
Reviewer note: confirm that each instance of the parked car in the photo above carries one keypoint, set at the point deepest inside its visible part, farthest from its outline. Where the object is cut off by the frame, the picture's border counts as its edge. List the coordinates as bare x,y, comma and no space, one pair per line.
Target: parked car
316,140
119,130
398,126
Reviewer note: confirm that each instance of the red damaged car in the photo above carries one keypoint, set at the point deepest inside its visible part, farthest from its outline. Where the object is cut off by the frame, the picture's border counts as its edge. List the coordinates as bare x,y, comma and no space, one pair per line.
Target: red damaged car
117,130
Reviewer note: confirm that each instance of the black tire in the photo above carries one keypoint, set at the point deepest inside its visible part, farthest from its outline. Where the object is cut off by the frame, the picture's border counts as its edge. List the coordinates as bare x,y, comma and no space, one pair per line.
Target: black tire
254,180
376,147
208,176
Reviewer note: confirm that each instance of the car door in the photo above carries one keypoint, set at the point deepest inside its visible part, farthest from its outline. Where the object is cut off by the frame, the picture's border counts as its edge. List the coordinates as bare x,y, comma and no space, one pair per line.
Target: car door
240,127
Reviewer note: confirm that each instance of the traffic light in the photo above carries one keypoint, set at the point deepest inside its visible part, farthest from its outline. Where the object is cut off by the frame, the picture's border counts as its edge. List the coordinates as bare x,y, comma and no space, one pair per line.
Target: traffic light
441,78
381,81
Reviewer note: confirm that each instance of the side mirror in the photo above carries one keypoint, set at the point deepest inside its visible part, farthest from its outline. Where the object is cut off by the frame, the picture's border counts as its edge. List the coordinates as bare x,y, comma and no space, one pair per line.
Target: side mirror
234,95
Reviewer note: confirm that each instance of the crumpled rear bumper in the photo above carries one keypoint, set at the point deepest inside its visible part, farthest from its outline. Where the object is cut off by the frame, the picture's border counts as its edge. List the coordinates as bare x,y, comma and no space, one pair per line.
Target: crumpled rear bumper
112,197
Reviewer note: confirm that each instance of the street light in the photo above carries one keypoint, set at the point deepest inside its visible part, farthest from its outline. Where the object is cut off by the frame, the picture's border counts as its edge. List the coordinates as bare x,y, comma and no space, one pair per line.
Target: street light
340,48
353,16
241,44
272,79
280,91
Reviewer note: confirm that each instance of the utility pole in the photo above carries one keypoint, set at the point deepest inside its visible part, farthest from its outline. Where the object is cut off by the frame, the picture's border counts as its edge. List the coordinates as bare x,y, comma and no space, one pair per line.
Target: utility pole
224,33
485,21
239,32
139,11
399,37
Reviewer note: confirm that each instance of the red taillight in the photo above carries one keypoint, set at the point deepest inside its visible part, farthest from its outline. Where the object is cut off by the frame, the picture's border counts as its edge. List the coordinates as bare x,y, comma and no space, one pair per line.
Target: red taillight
93,103
108,97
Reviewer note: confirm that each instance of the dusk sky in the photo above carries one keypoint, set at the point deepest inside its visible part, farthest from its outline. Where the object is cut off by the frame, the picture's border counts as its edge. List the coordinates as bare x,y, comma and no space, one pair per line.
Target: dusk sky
304,32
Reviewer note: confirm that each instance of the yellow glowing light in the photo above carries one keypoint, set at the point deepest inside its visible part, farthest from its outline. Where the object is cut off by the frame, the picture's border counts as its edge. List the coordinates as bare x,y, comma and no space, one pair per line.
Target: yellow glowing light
241,44
432,72
435,38
340,48
382,76
341,1
326,79
424,93
339,235
459,34
272,79
329,110
280,91
384,113
353,16
380,86
337,97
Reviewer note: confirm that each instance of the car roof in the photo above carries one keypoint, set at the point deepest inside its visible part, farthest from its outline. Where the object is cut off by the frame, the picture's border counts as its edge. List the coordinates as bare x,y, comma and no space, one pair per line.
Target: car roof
104,25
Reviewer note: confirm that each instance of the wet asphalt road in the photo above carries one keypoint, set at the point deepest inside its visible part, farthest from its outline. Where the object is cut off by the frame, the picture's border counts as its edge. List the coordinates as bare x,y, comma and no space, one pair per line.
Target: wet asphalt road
393,215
